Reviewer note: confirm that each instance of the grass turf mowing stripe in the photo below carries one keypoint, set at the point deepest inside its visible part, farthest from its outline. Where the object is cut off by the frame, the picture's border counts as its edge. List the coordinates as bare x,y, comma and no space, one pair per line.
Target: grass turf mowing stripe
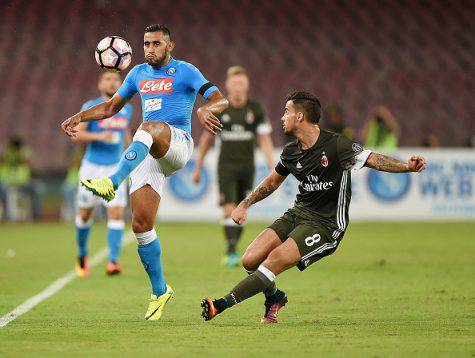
56,286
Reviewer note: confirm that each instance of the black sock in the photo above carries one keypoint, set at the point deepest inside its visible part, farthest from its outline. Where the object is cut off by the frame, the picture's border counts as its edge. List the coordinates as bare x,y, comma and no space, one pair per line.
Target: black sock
232,233
250,286
270,291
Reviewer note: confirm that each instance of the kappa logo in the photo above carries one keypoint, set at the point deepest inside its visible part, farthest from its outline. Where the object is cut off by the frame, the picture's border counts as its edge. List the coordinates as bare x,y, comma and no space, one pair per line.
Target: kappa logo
159,85
299,166
324,160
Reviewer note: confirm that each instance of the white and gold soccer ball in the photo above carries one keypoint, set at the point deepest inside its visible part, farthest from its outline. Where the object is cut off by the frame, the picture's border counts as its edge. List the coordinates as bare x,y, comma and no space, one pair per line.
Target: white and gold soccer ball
113,53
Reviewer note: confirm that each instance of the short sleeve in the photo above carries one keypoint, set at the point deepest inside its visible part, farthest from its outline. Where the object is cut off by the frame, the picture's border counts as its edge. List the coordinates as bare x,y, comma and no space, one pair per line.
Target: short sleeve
351,154
129,86
281,169
199,83
86,105
263,123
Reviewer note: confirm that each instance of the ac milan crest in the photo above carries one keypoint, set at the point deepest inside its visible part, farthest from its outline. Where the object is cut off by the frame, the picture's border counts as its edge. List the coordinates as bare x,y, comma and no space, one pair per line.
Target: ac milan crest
324,160
250,117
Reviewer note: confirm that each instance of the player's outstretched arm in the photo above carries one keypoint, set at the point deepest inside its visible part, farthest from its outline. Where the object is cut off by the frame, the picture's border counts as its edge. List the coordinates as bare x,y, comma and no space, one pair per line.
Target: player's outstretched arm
206,140
267,147
262,191
100,111
385,163
215,104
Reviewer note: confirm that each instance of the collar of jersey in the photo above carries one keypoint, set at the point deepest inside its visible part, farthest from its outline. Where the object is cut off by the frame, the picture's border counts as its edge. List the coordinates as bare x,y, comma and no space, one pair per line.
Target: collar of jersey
170,64
315,145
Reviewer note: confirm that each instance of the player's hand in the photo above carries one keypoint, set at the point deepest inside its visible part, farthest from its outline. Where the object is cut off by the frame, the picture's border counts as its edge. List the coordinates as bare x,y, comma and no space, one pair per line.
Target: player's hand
69,126
209,120
416,163
196,177
239,215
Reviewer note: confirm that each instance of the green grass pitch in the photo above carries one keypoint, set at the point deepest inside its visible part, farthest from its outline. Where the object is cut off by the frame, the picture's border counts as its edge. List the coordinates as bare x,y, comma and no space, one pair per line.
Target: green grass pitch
391,289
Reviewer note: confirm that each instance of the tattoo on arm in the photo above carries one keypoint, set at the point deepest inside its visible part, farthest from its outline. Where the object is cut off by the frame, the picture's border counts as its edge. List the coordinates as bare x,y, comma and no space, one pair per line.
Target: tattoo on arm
262,191
386,164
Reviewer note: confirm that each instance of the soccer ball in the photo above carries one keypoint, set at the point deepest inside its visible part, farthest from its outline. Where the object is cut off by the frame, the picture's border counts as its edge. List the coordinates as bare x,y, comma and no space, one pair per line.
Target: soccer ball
113,53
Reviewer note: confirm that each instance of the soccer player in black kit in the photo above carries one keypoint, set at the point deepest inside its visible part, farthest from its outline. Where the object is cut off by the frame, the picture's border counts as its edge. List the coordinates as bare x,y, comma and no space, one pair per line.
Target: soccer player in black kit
314,227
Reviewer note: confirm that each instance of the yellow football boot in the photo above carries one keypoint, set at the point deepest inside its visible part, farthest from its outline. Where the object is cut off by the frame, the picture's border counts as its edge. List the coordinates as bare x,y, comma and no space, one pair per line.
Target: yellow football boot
156,305
102,187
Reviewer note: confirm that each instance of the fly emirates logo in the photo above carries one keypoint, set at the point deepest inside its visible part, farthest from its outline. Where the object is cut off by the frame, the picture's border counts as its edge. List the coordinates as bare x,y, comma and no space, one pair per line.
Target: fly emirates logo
312,184
159,85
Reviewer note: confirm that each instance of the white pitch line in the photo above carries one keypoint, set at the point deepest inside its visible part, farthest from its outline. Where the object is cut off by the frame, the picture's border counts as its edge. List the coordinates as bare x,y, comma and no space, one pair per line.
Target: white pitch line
56,286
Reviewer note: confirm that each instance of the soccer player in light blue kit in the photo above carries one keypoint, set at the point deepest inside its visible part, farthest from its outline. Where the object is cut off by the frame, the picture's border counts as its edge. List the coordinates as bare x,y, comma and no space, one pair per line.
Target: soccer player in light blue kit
105,141
161,145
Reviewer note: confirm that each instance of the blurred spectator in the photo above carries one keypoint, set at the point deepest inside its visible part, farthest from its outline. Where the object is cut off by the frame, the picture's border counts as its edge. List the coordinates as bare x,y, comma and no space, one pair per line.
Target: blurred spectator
431,141
70,185
333,121
380,130
15,178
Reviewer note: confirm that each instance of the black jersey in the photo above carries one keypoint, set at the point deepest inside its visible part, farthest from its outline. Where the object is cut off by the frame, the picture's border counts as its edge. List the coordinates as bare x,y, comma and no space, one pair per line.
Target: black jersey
240,127
324,175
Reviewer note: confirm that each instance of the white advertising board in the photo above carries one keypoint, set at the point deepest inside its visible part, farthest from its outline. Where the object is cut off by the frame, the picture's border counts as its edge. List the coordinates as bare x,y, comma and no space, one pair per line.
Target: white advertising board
444,191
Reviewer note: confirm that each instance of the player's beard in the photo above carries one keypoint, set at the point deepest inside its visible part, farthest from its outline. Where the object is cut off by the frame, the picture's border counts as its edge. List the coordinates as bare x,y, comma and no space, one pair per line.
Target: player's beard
158,62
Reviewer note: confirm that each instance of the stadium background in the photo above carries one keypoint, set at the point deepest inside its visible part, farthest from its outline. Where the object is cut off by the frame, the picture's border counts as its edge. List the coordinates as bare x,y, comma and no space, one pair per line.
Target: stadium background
393,289
415,57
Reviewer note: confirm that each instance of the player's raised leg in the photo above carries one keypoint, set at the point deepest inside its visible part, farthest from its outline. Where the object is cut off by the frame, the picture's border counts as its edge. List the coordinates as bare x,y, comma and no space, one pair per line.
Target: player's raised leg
83,230
144,204
115,232
282,257
153,137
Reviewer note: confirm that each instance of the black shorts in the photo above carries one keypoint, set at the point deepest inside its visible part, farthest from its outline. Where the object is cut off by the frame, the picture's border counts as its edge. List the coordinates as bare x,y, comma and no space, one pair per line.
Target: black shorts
234,188
313,238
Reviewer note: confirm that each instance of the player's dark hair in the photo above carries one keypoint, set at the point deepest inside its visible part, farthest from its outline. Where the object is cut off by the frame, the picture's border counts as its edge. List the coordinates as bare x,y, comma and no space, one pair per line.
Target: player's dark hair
157,27
307,103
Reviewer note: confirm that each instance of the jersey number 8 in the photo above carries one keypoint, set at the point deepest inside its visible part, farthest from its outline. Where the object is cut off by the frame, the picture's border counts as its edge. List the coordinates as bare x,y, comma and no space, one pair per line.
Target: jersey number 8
311,240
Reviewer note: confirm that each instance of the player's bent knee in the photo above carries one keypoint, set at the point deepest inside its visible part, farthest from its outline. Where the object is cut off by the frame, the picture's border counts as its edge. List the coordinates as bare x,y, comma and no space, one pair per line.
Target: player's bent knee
249,261
141,224
85,214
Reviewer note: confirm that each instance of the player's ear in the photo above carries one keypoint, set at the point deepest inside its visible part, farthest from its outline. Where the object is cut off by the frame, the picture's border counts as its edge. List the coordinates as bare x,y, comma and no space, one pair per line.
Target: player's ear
170,46
300,116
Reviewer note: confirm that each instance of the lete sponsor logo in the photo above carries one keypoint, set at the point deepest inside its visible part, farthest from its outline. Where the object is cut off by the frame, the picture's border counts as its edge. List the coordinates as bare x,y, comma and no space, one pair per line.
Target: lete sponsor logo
160,85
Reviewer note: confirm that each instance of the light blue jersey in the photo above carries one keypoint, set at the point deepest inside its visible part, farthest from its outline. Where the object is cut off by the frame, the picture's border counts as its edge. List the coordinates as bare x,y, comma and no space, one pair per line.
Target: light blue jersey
107,153
168,93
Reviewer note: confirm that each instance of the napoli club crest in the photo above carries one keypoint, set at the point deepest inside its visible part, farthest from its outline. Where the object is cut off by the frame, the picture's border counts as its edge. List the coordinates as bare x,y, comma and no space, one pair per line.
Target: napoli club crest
171,71
324,160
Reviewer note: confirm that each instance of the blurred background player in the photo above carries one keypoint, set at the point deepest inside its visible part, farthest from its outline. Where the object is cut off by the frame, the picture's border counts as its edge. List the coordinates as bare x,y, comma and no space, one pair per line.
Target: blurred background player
161,146
105,141
380,130
243,121
15,178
